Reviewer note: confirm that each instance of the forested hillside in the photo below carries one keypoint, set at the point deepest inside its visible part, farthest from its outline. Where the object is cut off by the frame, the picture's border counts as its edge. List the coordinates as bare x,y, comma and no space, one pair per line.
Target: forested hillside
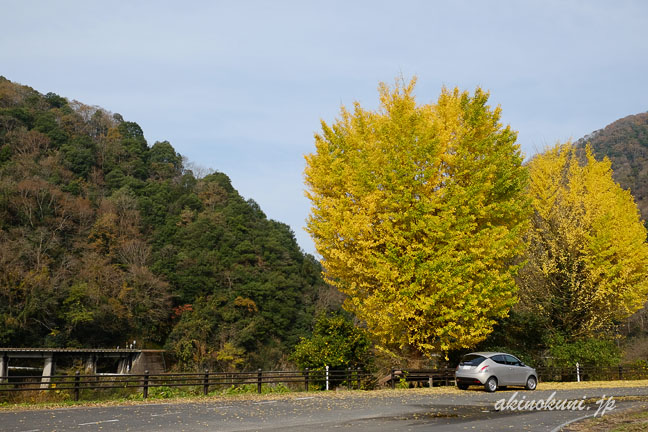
625,142
105,239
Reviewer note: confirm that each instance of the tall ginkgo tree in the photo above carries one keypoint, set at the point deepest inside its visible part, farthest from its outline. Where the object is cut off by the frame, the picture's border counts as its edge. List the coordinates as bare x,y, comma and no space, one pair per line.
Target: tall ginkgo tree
418,213
587,253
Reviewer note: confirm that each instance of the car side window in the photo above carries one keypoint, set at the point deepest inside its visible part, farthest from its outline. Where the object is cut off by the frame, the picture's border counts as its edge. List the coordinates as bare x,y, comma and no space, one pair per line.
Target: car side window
499,359
512,360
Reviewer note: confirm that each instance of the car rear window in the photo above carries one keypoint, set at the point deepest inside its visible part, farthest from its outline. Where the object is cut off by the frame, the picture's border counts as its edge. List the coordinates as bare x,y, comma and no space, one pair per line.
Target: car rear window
472,360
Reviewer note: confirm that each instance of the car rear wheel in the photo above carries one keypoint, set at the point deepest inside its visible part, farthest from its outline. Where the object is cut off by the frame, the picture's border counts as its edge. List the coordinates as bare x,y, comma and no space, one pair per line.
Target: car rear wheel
491,384
462,386
531,383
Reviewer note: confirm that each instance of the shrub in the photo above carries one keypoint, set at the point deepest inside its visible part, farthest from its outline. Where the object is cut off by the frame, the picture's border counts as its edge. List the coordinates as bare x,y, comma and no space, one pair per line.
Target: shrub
587,352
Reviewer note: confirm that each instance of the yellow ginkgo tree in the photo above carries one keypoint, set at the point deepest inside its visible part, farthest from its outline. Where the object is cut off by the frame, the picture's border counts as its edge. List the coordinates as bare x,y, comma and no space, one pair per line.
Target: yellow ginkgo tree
587,253
418,213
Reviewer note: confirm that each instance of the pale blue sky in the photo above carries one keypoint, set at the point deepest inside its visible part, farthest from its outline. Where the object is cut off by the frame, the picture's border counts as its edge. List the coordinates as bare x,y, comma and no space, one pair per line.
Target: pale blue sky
240,86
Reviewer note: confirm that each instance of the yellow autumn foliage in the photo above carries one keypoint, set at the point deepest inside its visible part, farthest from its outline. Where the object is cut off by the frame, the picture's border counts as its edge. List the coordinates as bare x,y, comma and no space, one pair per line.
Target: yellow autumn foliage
587,255
418,213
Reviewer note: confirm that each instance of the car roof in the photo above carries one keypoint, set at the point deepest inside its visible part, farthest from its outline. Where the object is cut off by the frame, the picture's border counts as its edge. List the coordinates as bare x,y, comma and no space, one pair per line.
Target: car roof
487,353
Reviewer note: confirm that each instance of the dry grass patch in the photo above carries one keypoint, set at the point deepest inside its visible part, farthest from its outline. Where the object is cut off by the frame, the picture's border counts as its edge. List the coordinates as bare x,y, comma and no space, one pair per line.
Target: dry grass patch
590,384
632,420
342,394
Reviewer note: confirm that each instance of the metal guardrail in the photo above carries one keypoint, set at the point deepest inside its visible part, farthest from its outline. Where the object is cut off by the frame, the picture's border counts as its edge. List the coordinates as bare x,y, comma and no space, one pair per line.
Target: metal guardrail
559,374
593,373
201,382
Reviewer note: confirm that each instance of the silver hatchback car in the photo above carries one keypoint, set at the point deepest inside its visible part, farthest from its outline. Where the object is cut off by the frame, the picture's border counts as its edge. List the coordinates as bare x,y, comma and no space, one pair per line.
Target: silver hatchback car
493,370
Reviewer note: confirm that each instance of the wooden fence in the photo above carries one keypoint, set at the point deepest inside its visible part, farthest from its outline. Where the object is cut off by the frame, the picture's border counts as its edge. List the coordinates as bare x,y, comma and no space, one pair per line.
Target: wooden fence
203,383
198,382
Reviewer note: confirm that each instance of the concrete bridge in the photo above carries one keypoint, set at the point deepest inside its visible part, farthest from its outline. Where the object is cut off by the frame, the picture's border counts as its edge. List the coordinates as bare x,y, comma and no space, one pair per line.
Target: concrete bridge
134,361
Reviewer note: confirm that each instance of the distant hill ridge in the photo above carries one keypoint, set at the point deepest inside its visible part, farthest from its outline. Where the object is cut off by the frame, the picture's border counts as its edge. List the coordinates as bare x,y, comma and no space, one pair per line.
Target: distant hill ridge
625,143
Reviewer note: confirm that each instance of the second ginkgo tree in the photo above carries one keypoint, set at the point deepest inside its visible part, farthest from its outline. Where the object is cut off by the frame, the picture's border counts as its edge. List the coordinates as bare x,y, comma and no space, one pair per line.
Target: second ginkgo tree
418,213
587,253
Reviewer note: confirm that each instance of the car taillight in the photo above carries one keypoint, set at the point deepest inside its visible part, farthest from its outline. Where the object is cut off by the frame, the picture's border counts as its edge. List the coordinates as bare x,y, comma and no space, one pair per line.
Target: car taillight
484,369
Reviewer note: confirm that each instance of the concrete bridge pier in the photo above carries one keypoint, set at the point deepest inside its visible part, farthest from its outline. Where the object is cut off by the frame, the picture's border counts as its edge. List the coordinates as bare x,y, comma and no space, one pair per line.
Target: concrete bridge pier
4,368
91,364
48,370
125,365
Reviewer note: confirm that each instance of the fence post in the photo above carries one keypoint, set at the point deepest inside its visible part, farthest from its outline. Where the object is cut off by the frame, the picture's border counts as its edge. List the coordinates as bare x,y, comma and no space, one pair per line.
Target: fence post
146,384
306,378
76,386
620,372
357,379
348,378
259,381
327,378
206,382
577,372
393,379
